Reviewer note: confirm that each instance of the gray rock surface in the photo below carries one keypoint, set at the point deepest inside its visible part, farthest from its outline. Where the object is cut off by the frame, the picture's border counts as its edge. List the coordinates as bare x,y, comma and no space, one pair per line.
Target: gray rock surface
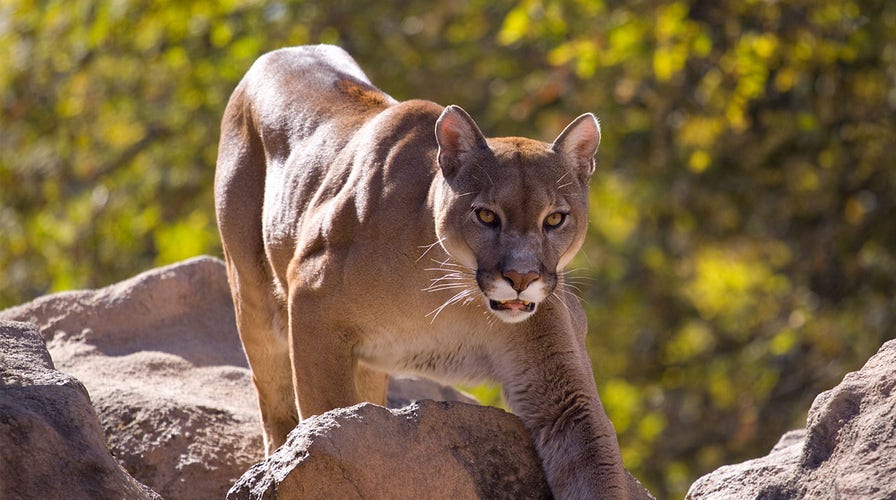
848,449
51,442
162,360
427,450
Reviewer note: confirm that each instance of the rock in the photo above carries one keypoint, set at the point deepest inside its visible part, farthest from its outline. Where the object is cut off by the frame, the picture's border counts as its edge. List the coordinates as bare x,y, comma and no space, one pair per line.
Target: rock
51,442
426,450
848,449
162,360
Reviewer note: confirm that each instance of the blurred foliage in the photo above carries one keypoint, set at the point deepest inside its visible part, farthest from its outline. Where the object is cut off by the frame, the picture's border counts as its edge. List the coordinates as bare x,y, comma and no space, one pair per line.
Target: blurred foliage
742,255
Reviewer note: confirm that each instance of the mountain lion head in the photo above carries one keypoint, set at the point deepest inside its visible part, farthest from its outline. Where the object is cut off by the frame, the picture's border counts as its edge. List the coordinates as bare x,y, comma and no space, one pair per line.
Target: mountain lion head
513,210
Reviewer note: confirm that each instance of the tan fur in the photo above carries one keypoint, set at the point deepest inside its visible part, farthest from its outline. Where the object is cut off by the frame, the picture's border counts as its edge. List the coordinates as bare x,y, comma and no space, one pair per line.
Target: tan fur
354,248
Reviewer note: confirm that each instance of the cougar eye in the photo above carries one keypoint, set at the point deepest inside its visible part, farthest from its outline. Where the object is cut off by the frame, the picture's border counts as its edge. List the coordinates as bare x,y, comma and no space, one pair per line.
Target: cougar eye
487,217
555,219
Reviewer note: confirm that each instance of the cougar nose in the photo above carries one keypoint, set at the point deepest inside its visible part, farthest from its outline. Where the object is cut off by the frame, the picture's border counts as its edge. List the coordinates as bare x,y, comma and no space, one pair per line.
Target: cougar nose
520,281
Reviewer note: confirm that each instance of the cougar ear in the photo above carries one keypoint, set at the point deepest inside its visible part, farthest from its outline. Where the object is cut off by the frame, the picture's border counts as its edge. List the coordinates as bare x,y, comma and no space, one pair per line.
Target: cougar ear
457,135
579,141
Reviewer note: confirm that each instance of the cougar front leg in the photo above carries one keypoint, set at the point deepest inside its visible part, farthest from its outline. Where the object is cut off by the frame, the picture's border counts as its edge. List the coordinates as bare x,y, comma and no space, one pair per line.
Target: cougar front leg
550,386
322,361
371,385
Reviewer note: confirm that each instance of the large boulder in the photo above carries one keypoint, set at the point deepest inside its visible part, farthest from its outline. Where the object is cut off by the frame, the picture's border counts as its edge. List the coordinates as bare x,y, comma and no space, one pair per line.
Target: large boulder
51,442
848,449
427,450
160,355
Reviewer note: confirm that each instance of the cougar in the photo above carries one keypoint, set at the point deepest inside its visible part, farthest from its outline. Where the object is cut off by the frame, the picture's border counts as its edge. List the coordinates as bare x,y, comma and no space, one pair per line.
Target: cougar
365,236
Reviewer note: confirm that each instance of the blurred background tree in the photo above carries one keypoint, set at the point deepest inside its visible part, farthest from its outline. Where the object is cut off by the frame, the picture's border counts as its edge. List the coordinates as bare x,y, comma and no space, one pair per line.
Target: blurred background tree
742,255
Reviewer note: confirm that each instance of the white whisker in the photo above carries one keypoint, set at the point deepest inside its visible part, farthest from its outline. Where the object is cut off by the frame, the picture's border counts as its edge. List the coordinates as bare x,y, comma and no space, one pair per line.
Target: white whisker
451,274
572,287
448,270
578,282
587,258
448,262
567,292
428,248
447,281
463,294
573,270
564,175
575,282
556,297
488,176
443,288
489,318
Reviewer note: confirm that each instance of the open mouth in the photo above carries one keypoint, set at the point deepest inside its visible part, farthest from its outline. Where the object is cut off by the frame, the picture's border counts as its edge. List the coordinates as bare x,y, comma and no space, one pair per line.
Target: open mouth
512,305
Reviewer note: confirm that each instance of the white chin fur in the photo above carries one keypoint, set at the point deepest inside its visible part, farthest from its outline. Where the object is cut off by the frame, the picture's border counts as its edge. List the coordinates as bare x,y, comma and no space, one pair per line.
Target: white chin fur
512,316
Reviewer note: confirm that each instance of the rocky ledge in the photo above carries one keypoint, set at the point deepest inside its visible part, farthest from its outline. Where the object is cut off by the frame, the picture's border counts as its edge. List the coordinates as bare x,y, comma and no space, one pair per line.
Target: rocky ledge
167,409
